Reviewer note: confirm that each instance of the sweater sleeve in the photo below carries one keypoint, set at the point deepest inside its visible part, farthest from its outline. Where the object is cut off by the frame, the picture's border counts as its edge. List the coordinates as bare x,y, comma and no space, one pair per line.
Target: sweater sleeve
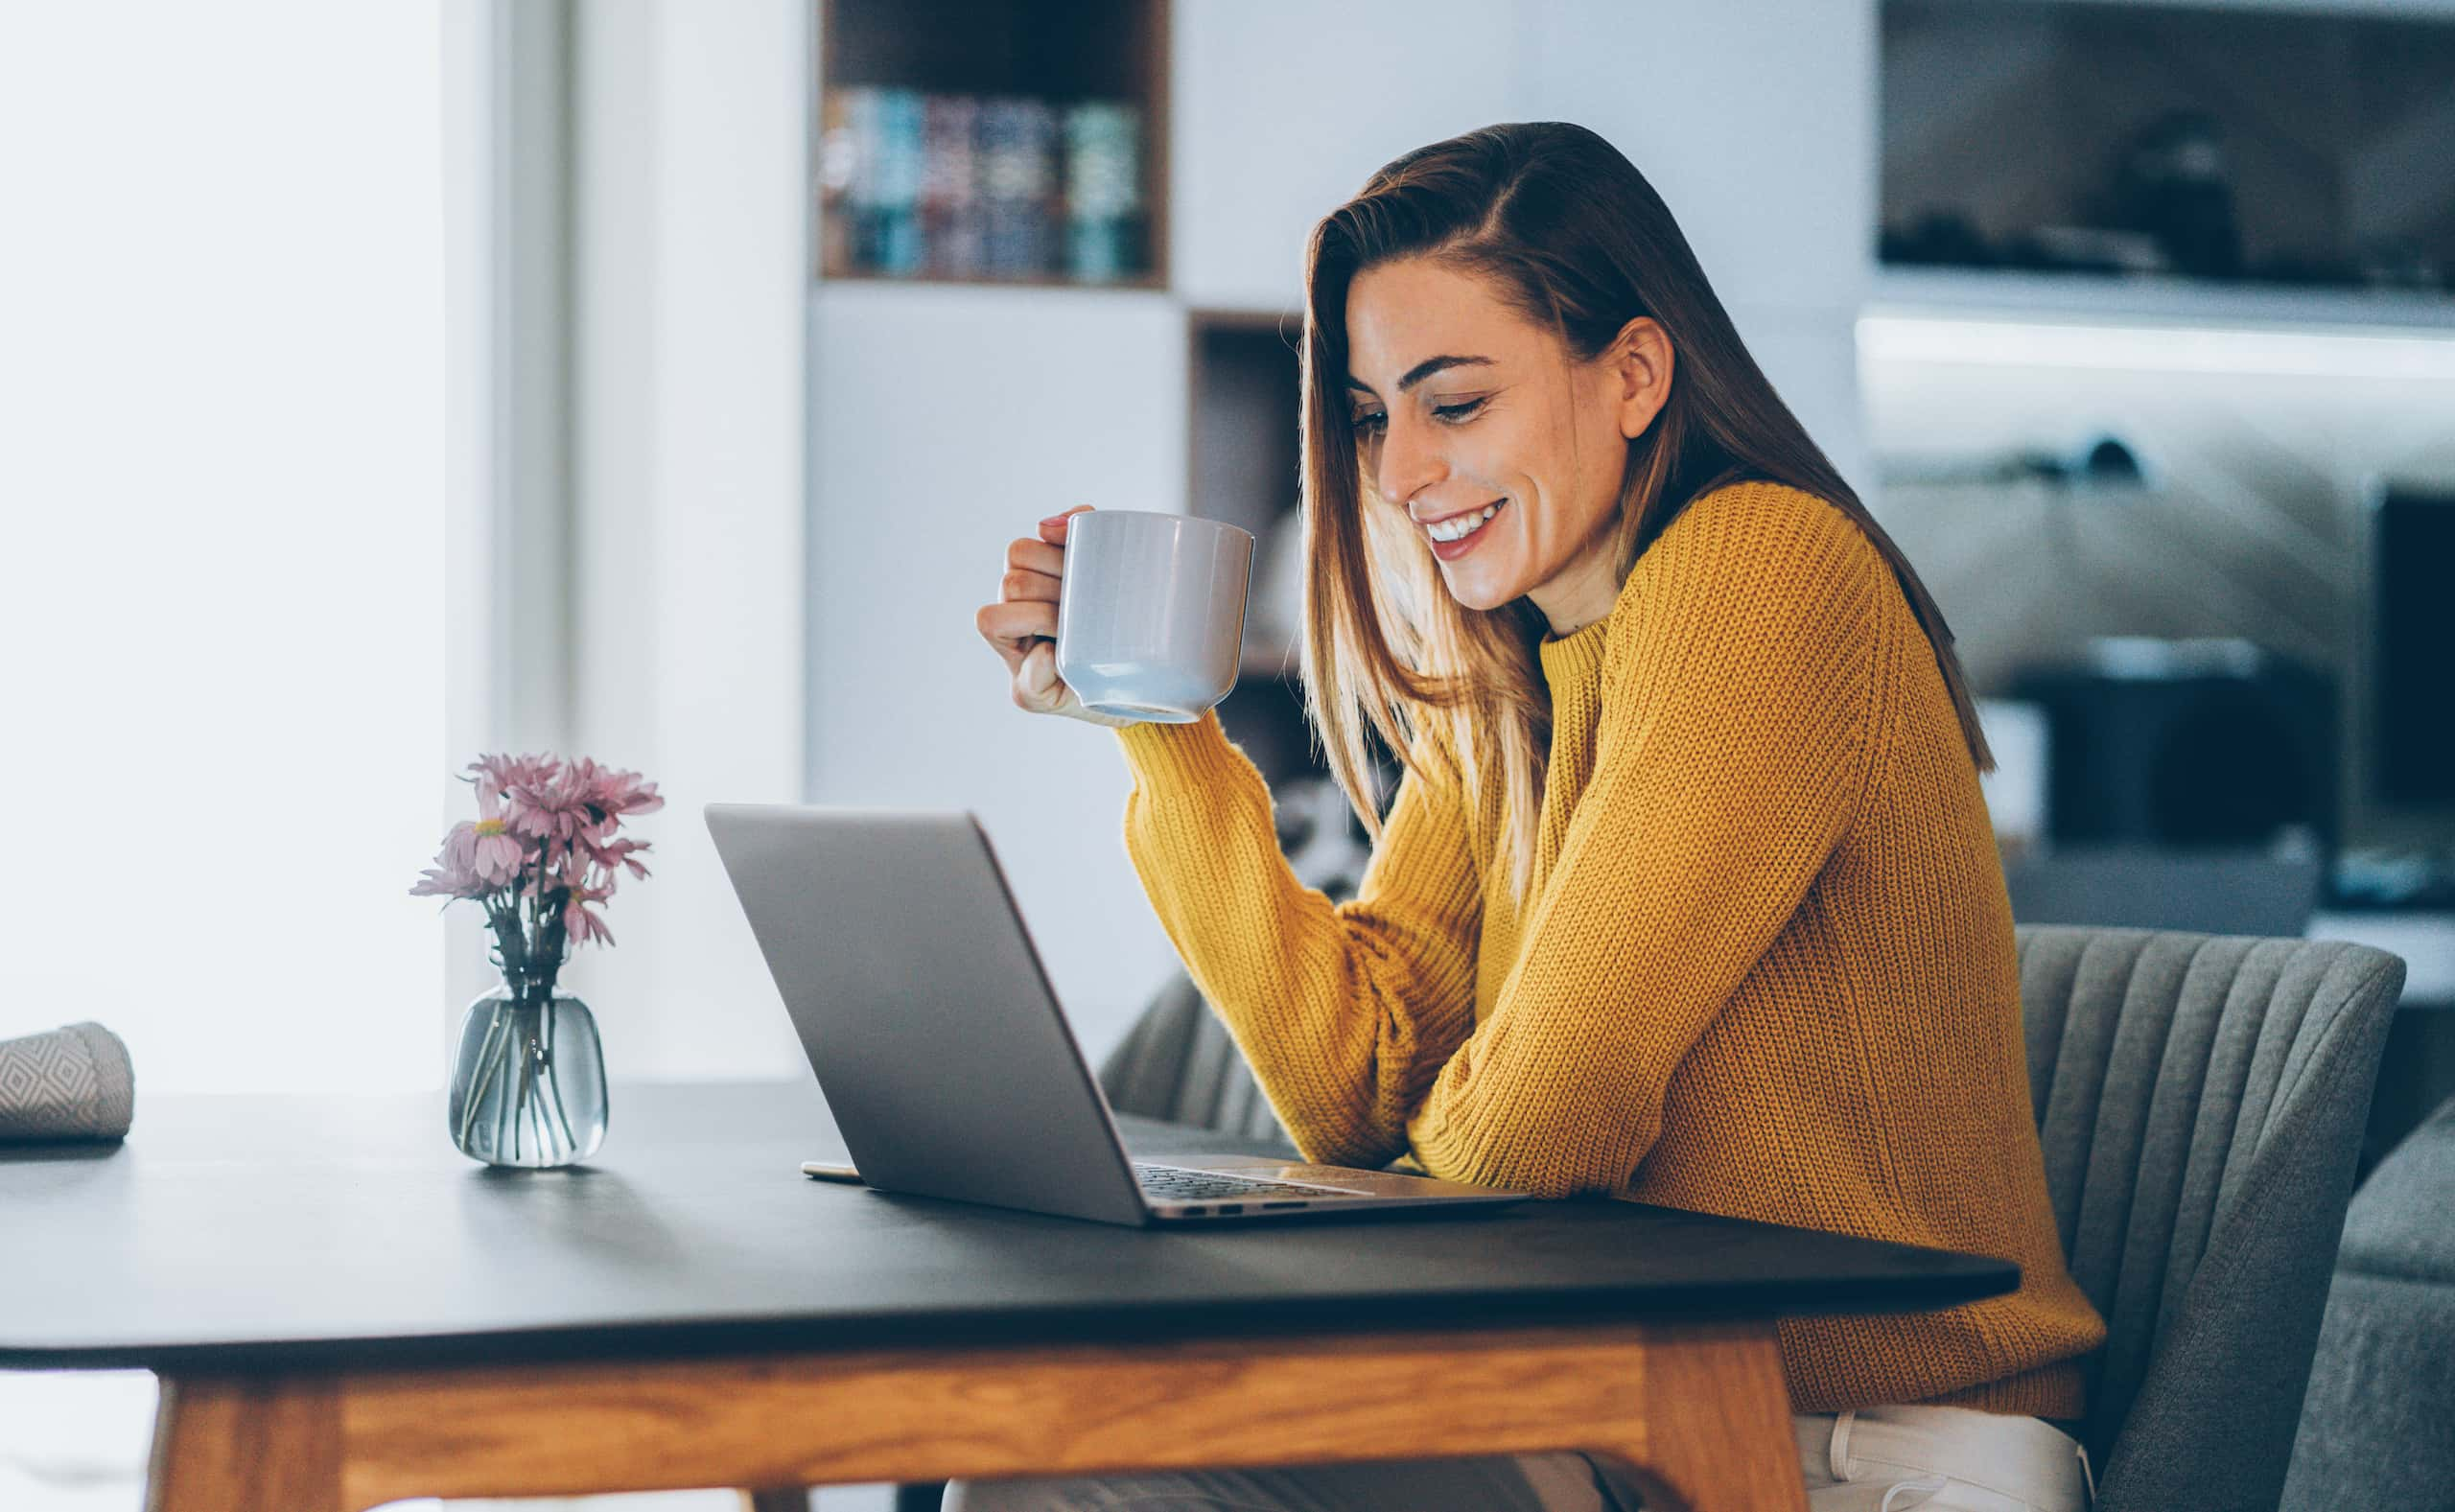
1344,1011
1730,756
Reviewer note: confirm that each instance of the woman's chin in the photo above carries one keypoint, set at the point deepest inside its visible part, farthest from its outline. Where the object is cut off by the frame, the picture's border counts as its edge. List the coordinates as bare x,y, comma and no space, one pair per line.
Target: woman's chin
1480,591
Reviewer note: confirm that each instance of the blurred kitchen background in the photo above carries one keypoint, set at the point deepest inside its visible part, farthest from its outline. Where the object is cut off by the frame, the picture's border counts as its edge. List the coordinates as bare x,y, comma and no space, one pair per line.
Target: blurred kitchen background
664,381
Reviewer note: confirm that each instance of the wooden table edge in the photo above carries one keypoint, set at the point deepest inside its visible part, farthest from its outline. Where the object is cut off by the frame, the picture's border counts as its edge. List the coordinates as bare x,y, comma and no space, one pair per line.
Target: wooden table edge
1699,1411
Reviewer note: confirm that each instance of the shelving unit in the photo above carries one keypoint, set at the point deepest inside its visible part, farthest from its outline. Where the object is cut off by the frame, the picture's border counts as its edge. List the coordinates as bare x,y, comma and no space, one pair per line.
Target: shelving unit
1244,402
2254,159
949,149
1243,393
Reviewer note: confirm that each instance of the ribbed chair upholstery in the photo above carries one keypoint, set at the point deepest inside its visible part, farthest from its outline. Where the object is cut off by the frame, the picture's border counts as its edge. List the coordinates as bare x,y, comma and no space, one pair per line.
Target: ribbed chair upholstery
1179,1064
2200,1102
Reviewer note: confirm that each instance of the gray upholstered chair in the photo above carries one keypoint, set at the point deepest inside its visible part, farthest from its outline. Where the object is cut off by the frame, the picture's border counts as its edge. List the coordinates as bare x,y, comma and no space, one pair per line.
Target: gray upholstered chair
2200,1101
2378,1425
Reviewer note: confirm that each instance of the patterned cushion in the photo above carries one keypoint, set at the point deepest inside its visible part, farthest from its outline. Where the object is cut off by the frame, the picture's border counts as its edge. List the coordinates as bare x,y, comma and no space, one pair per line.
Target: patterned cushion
69,1084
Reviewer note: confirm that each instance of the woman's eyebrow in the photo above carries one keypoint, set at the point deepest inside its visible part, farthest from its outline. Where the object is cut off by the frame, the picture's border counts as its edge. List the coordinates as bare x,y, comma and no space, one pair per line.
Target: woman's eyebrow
1423,370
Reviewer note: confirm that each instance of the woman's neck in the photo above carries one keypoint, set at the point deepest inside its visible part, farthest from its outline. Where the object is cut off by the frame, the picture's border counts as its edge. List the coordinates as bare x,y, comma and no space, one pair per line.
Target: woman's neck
1584,591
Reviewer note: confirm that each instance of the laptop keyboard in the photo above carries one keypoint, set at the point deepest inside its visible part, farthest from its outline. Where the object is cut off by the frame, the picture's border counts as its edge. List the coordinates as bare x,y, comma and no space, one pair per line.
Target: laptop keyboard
1177,1184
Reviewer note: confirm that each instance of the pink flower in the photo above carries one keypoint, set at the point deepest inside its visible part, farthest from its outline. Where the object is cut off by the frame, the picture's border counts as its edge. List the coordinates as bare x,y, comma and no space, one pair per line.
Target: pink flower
612,854
550,808
545,830
485,845
573,870
502,772
612,793
581,925
444,881
505,770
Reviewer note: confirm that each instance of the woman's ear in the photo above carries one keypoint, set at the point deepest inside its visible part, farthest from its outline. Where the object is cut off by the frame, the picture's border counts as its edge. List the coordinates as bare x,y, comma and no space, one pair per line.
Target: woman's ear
1641,366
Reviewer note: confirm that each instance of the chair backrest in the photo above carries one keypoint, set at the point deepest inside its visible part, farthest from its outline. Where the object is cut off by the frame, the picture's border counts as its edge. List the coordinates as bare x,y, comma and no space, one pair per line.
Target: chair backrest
1179,1064
2200,1102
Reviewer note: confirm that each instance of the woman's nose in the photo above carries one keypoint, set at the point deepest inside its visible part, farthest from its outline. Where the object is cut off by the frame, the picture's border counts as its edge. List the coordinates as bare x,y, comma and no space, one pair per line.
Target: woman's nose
1410,461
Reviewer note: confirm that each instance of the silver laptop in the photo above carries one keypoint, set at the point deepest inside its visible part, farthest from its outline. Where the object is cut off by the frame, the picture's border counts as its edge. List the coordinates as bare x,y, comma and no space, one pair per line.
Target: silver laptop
924,1008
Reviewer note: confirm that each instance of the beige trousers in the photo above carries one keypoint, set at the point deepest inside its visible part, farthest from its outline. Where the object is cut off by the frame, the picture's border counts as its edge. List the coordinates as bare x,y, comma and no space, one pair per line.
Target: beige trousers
1873,1460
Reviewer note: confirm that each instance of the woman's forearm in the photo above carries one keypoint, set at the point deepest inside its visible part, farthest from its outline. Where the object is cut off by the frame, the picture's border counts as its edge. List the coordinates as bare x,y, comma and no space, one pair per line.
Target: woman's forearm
1345,1011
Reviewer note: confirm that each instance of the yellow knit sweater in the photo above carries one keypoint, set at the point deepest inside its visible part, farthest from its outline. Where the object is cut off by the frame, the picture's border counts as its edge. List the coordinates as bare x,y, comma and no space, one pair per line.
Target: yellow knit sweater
1765,967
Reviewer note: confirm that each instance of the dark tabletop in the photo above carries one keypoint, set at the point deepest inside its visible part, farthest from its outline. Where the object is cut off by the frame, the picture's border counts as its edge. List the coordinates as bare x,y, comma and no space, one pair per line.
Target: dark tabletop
235,1230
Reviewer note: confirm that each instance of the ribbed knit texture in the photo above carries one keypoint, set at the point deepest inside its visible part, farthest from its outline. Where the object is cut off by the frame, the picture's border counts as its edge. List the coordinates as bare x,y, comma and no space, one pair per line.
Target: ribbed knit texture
1766,966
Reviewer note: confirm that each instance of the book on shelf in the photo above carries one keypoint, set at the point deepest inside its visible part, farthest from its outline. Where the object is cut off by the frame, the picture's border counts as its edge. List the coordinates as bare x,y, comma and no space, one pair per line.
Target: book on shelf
918,184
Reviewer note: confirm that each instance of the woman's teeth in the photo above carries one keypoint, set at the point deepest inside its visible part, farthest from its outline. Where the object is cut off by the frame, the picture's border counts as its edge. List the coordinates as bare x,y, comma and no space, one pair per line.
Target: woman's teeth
1457,527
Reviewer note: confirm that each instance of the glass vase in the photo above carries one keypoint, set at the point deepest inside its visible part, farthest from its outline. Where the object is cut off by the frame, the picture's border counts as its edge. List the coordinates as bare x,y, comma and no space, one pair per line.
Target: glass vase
528,1079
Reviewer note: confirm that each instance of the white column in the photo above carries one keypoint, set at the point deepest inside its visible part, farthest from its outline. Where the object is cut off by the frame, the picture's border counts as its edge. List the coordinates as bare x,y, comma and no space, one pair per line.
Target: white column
690,130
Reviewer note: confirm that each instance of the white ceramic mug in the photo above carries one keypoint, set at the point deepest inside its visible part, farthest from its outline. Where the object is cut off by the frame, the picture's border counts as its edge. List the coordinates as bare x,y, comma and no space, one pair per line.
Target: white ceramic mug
1150,612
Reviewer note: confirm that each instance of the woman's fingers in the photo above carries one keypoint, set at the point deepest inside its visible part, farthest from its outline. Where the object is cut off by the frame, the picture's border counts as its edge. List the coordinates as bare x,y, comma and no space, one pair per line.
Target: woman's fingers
1036,556
1019,619
1023,583
1053,528
1022,624
1035,685
1011,624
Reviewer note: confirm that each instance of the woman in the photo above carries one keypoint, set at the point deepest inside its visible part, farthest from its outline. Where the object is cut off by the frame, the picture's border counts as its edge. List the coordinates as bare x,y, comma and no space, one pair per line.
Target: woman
1687,893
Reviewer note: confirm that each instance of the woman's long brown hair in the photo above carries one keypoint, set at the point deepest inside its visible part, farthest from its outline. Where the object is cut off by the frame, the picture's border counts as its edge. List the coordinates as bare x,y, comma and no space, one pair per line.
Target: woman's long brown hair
1565,230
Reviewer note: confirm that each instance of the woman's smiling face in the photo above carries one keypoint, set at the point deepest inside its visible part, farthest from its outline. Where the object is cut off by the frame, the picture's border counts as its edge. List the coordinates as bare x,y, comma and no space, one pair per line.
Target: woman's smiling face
1506,454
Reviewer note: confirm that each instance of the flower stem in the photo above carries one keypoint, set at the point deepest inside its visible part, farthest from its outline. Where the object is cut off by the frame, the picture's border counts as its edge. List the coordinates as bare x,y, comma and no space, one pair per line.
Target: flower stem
485,1074
520,1095
571,1141
502,1127
545,1113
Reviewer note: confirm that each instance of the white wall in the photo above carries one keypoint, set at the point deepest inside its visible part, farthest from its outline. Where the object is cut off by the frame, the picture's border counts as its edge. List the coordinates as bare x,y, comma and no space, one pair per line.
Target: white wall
1284,107
948,421
1755,119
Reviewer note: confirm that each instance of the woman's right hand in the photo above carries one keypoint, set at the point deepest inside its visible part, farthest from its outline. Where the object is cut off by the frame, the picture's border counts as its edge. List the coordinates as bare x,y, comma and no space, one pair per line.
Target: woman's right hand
1022,623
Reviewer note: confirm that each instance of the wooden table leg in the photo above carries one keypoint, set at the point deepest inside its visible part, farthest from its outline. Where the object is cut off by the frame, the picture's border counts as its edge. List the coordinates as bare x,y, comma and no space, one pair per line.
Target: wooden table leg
225,1442
1716,1430
1699,1412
